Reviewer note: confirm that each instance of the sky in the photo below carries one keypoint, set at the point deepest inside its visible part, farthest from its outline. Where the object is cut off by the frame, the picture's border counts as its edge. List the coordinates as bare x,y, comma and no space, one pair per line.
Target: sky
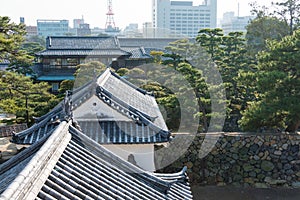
94,11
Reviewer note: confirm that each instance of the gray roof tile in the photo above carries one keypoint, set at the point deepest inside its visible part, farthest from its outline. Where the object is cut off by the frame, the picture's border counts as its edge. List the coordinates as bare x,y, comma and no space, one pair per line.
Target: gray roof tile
159,43
84,169
137,52
82,43
83,52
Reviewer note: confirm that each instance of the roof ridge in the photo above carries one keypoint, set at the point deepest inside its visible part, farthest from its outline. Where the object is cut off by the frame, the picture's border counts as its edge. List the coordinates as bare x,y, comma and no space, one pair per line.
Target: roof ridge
39,166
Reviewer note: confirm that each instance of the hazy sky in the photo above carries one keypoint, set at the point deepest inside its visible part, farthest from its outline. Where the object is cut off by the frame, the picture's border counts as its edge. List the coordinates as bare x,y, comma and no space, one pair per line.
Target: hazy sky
94,11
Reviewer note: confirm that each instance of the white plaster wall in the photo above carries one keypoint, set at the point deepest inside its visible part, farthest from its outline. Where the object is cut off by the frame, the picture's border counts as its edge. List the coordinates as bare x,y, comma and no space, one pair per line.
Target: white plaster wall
93,107
143,154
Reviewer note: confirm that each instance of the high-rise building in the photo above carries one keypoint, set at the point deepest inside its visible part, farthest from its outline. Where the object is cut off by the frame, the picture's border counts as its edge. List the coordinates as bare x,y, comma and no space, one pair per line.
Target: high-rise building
232,23
182,17
52,27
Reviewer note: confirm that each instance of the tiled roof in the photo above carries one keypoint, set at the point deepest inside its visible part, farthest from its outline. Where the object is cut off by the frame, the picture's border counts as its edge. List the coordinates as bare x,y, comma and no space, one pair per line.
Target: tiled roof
136,48
120,132
137,53
125,114
69,165
83,52
42,127
159,43
137,100
82,43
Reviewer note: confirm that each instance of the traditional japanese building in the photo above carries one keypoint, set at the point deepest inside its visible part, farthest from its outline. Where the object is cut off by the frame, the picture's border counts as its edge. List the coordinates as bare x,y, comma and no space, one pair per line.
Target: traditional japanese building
88,146
114,113
63,54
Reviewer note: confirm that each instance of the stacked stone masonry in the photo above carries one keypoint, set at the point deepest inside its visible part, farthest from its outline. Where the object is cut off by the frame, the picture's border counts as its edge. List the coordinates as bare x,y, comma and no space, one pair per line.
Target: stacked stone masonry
256,160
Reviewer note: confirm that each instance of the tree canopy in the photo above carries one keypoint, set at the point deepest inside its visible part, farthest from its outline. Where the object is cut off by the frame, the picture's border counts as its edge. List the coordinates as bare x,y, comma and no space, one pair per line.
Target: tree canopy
264,28
11,39
20,96
278,86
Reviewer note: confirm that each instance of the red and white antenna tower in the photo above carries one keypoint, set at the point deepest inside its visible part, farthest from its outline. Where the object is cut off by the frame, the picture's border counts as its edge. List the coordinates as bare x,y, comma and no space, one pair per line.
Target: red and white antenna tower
110,23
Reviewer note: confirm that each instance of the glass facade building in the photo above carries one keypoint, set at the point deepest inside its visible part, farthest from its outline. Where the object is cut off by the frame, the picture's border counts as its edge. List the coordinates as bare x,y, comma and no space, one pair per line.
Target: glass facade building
182,17
52,27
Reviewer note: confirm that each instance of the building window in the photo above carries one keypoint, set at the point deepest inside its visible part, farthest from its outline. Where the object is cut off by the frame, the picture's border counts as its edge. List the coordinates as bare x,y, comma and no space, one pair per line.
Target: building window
56,62
72,61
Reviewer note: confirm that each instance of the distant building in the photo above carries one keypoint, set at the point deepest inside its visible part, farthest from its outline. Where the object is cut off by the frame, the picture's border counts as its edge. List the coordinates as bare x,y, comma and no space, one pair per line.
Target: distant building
31,31
181,17
83,30
77,22
52,27
231,23
148,30
132,30
96,31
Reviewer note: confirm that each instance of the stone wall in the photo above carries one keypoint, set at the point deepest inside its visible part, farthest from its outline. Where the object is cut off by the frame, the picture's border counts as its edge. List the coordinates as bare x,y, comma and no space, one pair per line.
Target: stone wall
257,160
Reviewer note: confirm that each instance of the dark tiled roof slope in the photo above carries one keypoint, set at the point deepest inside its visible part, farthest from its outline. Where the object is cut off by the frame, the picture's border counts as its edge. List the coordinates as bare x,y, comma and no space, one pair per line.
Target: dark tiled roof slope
82,52
137,100
159,43
82,43
69,165
43,126
137,53
120,132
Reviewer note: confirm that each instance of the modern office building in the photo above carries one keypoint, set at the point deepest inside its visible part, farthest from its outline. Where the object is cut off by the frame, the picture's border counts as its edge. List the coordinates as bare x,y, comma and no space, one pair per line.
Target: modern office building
182,17
232,23
47,28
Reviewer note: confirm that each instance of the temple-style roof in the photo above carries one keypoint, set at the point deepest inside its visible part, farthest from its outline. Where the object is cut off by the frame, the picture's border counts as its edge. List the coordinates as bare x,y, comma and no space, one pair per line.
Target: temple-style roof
82,43
158,43
69,165
82,46
137,52
117,112
134,48
109,110
79,52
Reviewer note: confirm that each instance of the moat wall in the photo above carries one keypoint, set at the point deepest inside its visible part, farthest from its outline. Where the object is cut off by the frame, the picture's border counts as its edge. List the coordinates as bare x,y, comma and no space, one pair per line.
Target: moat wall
257,160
